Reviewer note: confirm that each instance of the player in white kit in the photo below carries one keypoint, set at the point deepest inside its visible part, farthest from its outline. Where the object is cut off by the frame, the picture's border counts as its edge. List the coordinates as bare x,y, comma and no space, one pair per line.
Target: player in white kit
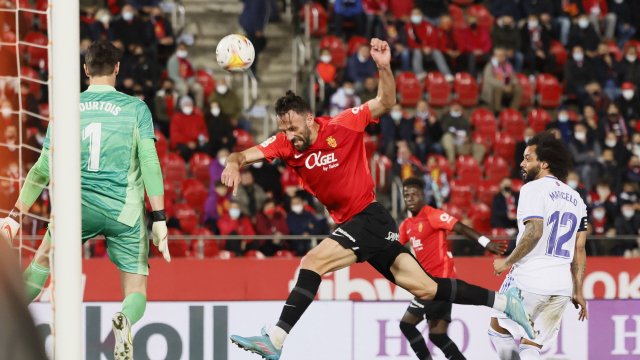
549,259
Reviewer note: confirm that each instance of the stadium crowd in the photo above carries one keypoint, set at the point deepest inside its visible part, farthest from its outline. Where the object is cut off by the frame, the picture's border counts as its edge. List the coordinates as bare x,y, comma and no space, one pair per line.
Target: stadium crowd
475,80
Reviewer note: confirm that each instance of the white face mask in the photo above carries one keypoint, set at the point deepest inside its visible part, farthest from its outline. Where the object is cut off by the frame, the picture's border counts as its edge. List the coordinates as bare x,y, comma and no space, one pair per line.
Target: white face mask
222,89
527,138
127,16
362,58
580,136
182,54
234,213
396,115
105,19
187,110
532,24
631,58
222,160
455,113
325,59
618,1
563,117
578,57
215,111
583,23
416,19
598,214
636,149
572,184
257,165
628,94
628,213
6,112
610,143
297,208
349,91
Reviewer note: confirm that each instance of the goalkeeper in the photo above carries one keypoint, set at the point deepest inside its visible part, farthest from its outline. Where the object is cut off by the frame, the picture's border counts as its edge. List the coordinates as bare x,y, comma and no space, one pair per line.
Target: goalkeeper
119,160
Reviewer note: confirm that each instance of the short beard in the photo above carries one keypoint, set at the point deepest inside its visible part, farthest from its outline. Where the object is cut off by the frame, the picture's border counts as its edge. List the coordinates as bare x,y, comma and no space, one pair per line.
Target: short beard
306,141
531,175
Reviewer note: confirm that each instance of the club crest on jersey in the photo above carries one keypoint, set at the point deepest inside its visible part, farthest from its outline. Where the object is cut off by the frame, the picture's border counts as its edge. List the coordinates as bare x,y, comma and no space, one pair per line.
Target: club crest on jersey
331,141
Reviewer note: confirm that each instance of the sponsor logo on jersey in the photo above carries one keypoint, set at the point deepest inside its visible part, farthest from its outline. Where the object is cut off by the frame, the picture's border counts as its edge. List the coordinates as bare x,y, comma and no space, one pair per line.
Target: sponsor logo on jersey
331,141
268,141
392,236
327,161
416,243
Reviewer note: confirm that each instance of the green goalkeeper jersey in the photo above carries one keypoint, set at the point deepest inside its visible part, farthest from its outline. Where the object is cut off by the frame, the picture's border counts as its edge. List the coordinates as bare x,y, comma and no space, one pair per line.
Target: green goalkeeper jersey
112,125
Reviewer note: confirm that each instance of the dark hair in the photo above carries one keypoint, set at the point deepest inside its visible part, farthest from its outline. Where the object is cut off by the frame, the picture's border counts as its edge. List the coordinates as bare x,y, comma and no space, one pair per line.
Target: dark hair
415,182
291,101
101,58
553,152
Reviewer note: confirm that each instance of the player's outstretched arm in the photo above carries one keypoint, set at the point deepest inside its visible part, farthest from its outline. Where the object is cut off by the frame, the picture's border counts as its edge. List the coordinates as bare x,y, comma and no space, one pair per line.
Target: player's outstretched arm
36,180
152,178
532,233
235,161
578,266
472,234
386,98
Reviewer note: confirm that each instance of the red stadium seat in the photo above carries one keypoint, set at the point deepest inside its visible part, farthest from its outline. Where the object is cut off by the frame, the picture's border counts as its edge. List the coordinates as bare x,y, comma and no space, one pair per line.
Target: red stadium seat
538,119
505,147
512,123
225,255
99,248
438,89
496,168
254,254
354,43
461,194
483,139
38,57
549,91
443,164
285,254
244,140
466,89
484,122
206,80
453,210
318,19
204,248
34,87
195,195
199,165
482,15
173,168
337,48
516,184
187,217
380,166
409,89
487,189
614,49
480,215
468,171
528,91
162,145
559,52
457,15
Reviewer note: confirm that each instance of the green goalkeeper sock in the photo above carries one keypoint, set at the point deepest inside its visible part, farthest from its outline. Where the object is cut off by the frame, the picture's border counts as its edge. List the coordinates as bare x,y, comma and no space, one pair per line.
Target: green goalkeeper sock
34,277
133,306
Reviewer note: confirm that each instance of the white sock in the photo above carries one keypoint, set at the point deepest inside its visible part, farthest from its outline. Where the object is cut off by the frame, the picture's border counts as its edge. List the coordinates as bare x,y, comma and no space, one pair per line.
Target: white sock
277,336
505,345
529,352
500,302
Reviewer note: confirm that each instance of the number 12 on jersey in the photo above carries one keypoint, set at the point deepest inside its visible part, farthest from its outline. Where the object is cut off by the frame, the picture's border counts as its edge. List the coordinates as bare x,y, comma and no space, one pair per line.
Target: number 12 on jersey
93,132
556,241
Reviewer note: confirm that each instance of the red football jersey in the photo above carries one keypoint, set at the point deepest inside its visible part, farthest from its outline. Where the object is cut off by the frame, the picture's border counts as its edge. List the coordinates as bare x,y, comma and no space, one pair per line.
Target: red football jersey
334,168
427,232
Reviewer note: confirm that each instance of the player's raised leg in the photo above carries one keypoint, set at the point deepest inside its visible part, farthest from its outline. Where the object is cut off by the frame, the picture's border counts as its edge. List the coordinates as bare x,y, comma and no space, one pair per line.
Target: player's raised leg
328,256
409,275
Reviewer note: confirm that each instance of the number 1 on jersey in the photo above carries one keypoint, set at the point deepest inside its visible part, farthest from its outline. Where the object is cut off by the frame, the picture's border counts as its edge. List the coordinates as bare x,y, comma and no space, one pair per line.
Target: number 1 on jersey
93,132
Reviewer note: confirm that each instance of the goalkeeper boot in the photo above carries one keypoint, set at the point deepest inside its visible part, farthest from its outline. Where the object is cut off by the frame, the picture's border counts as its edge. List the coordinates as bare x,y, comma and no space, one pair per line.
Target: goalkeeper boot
122,332
516,312
260,345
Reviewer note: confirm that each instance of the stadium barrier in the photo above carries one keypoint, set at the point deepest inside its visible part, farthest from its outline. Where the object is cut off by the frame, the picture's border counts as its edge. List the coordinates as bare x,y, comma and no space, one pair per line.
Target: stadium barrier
340,330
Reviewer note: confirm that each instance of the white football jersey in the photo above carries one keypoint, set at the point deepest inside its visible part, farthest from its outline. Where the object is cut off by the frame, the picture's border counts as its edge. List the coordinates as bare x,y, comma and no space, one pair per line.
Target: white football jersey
546,270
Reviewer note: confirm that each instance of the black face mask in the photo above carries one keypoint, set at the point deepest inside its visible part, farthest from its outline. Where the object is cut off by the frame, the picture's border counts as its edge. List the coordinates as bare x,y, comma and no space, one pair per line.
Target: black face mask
473,26
506,189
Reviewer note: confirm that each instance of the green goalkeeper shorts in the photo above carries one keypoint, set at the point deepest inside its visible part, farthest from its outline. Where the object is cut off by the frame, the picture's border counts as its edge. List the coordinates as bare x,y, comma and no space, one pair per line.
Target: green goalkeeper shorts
128,247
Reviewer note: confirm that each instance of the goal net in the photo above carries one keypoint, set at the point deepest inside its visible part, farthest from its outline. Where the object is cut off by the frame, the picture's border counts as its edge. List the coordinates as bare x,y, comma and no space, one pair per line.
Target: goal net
37,92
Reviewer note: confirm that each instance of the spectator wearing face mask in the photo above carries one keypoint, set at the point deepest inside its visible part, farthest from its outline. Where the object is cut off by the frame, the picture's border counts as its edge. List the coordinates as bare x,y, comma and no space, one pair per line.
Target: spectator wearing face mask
188,132
475,44
394,126
217,204
99,29
267,176
272,220
606,67
424,41
236,223
180,70
163,31
586,151
599,15
629,67
563,124
503,207
601,195
219,128
600,222
626,12
457,130
578,72
427,127
629,221
616,124
326,73
228,100
360,66
634,145
632,172
573,180
300,222
500,83
165,103
536,40
629,103
344,98
250,195
217,166
584,35
505,36
132,30
436,180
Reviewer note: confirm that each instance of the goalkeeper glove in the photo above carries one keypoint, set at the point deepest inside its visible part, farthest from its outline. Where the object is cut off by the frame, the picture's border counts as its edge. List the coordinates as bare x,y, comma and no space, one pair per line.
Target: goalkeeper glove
159,232
10,225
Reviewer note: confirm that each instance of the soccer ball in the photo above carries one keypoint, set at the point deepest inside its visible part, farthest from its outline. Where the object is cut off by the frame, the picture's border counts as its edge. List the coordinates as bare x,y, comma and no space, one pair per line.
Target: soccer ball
235,53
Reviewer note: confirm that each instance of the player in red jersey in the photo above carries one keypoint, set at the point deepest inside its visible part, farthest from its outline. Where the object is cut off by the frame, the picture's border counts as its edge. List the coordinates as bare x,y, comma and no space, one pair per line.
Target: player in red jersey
328,155
427,230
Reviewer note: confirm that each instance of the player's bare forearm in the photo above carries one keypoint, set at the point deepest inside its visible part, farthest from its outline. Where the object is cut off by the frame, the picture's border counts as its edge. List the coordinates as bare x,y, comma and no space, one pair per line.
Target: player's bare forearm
579,263
466,231
386,97
532,234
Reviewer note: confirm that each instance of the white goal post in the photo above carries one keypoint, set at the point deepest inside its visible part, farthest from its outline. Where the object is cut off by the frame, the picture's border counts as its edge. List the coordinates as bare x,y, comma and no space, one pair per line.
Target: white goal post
64,60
